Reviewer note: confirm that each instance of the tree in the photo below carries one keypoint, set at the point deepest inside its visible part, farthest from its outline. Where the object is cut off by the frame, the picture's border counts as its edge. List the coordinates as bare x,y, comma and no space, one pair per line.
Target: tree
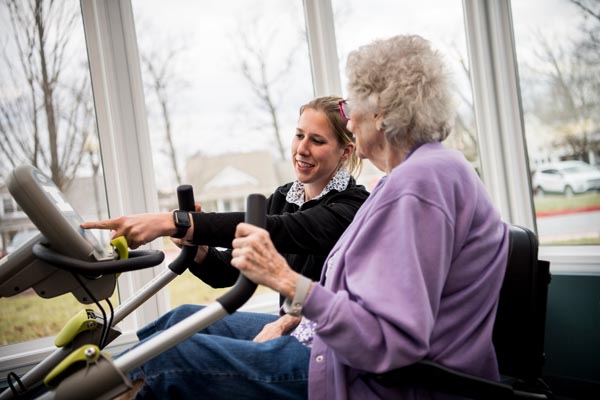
264,75
569,102
564,84
159,79
589,47
46,110
464,137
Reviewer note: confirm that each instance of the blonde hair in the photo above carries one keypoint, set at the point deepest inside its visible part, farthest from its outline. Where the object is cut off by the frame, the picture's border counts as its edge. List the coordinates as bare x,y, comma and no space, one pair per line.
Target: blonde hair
405,80
329,105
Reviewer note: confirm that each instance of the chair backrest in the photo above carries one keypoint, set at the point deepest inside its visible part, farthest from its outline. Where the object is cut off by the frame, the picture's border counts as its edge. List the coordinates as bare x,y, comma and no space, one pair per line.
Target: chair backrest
520,321
518,335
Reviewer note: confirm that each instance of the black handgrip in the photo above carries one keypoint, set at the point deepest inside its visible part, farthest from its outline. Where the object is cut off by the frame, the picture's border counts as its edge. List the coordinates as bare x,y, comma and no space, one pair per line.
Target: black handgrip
185,197
138,259
256,214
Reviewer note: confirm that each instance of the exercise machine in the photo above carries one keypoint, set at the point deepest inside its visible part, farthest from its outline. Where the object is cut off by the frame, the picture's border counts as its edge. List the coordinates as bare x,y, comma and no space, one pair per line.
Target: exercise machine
64,258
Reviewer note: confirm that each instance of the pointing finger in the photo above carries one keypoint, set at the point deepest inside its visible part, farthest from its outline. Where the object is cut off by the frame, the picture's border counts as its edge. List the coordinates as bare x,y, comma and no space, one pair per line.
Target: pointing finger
105,224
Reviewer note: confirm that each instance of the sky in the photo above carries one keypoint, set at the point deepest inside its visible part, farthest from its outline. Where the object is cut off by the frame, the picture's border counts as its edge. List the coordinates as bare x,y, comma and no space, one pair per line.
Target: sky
211,105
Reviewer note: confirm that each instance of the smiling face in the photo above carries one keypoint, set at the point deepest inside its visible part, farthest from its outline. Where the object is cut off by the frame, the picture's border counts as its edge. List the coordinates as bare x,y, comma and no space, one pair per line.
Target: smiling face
316,152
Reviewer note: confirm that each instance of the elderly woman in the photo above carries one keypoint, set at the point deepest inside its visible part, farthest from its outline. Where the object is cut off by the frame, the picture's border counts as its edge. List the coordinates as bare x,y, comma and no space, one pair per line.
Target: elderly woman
417,274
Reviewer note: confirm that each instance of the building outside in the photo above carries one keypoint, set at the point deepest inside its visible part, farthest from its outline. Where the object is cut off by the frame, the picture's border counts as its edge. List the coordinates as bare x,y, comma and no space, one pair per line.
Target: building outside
221,183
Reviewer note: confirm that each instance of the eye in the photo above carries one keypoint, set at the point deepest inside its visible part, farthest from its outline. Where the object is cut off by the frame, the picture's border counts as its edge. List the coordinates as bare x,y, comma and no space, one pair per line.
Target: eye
299,135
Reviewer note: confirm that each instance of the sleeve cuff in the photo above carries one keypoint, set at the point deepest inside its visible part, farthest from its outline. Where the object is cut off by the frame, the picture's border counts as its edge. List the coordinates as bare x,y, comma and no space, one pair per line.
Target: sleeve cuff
317,302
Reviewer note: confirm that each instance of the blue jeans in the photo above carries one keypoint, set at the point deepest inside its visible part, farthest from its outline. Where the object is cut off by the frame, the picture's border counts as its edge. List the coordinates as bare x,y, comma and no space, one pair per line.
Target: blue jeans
222,362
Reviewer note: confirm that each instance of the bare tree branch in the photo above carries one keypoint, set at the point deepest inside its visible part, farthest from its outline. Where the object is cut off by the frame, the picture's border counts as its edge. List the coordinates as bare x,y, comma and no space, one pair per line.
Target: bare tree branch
258,71
161,79
569,100
586,9
39,114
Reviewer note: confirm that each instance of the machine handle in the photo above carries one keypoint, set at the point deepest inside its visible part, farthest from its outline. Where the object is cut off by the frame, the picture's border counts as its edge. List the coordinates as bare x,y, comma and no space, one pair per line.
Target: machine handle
138,259
185,197
256,214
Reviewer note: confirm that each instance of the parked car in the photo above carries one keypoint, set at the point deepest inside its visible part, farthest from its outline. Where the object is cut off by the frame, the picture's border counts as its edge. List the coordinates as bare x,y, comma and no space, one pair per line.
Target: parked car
567,177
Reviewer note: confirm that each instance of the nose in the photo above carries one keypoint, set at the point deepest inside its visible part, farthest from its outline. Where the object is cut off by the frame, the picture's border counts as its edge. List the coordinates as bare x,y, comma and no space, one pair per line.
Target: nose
303,147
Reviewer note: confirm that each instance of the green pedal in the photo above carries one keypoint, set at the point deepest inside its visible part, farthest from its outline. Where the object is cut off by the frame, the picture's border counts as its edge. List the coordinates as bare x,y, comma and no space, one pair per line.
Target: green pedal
84,320
78,359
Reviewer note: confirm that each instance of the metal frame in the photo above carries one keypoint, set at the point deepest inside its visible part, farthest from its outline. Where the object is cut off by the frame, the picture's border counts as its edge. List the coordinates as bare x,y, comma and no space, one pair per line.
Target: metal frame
497,107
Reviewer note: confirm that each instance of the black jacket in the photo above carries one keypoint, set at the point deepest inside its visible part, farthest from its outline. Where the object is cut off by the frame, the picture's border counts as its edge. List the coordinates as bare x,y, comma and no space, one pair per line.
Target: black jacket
303,235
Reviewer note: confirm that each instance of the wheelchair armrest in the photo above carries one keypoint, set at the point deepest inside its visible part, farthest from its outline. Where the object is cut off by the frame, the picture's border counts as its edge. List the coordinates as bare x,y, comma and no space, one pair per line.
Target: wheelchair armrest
435,377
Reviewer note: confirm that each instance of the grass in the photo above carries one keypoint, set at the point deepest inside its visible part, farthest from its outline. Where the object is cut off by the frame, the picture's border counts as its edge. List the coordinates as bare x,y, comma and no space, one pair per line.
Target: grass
549,203
576,242
27,316
187,289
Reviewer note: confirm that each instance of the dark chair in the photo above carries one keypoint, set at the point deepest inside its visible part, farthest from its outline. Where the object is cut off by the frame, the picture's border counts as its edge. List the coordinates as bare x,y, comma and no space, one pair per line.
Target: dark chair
518,335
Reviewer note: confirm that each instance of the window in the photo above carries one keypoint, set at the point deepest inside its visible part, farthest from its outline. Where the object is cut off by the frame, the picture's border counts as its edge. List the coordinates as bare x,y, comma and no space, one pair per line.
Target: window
8,205
558,54
47,119
223,84
358,23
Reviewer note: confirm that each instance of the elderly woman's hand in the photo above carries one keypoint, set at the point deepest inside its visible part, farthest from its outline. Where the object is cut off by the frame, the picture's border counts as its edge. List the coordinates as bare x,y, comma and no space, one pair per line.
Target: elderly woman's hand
277,328
256,257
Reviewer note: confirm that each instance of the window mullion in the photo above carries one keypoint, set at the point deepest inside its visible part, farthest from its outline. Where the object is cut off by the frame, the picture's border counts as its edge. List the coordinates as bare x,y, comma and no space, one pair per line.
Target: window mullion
322,47
122,126
503,152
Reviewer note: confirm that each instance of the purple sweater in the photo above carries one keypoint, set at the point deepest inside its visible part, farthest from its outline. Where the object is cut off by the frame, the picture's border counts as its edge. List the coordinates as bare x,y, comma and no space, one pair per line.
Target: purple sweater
415,276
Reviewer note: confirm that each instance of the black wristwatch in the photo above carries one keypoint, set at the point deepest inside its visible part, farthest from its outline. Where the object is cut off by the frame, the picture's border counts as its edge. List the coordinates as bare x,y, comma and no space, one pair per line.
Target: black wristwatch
182,223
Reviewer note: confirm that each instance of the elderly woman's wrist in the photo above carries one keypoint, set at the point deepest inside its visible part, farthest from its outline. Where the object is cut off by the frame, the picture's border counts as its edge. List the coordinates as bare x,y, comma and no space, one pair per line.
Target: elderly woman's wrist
286,284
288,322
295,298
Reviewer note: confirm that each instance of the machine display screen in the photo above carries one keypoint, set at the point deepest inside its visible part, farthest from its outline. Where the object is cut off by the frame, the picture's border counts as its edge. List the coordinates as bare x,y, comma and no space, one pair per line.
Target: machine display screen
61,203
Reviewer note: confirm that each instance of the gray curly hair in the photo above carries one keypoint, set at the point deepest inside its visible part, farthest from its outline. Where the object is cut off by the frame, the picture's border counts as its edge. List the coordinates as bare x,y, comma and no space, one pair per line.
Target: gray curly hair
406,81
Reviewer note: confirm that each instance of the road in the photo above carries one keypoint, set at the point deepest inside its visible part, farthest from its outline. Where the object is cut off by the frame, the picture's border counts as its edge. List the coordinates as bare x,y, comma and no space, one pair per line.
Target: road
569,226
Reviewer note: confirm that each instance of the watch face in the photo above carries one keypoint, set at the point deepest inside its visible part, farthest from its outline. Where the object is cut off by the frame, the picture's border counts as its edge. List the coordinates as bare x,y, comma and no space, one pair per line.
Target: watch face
182,219
182,223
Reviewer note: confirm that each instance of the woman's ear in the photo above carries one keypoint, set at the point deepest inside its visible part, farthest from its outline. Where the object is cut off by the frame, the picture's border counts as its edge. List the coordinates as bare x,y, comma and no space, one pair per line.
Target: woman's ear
379,124
348,150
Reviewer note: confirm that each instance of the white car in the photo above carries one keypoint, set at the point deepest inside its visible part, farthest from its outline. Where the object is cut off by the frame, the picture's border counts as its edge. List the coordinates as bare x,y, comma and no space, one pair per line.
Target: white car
567,177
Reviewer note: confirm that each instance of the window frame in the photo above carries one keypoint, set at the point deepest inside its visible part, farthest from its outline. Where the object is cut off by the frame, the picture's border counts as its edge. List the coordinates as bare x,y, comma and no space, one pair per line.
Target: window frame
499,116
125,143
119,102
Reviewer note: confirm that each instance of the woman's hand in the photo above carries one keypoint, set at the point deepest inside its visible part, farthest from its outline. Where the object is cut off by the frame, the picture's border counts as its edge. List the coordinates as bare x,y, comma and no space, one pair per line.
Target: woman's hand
256,257
138,229
277,328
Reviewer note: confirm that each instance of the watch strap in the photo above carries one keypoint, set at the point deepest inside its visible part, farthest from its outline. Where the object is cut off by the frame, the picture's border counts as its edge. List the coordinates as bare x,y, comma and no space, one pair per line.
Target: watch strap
182,227
294,306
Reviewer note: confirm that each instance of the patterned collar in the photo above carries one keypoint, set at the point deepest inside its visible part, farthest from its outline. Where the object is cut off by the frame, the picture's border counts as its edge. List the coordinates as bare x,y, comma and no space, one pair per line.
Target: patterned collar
339,182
